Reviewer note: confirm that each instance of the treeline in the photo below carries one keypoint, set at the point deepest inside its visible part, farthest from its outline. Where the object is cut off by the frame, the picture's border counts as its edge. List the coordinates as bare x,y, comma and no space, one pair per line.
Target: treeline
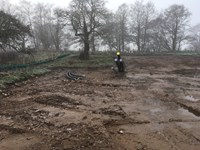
89,26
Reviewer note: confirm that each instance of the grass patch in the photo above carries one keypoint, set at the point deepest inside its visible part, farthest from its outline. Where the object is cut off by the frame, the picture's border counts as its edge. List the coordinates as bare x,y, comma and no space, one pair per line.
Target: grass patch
72,61
12,77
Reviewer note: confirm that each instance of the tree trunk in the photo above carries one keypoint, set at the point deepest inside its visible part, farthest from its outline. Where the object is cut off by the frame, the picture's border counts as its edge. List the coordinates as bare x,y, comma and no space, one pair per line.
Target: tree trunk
145,36
86,50
57,47
123,38
174,43
93,43
123,43
174,40
138,38
85,54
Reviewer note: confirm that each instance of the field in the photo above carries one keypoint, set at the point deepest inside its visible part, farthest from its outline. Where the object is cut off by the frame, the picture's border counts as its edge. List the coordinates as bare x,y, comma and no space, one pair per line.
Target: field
155,105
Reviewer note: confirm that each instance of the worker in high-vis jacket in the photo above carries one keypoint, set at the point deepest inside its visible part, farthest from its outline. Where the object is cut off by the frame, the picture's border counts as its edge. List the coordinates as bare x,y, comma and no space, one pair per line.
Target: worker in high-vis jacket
119,62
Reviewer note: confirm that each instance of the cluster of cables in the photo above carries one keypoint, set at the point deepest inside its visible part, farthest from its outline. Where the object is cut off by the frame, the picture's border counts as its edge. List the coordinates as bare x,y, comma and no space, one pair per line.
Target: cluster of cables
72,76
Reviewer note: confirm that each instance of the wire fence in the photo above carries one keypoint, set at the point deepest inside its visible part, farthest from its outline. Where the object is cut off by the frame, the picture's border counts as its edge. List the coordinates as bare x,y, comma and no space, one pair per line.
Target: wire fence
35,63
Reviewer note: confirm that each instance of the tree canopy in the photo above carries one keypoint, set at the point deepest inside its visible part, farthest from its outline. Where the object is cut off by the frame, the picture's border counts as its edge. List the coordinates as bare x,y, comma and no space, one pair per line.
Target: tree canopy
88,25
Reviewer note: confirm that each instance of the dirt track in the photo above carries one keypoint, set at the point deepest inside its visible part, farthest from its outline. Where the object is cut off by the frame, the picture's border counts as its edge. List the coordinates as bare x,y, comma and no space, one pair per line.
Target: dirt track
154,106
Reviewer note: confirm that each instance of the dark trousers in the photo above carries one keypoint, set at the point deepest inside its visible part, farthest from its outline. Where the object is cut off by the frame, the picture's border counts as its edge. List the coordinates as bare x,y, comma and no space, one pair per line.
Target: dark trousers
120,66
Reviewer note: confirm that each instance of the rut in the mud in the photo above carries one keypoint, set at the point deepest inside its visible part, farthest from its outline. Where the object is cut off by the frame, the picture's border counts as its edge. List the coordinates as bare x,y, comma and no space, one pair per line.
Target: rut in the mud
146,108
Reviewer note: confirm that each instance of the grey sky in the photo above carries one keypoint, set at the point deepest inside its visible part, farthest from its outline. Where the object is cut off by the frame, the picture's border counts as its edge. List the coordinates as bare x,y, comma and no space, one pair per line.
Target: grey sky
192,5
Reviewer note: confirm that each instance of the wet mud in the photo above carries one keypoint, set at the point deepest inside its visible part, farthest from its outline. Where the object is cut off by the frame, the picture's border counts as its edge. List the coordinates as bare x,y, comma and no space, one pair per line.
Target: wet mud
154,105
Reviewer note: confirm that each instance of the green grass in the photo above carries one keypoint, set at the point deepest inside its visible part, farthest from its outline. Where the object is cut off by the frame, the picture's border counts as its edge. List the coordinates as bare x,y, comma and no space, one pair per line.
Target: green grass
17,76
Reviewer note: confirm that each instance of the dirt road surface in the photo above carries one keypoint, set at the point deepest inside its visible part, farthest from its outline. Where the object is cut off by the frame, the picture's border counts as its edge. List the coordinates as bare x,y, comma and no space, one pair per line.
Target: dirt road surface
155,105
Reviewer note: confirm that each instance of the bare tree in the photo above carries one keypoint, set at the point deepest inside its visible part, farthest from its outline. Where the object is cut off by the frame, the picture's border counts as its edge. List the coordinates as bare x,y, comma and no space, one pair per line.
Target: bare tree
141,16
157,35
175,23
121,26
137,13
86,17
108,32
150,14
194,41
42,25
115,31
57,27
24,12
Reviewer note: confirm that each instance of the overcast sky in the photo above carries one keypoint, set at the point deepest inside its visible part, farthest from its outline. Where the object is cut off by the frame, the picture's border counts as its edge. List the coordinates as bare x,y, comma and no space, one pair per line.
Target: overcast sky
192,5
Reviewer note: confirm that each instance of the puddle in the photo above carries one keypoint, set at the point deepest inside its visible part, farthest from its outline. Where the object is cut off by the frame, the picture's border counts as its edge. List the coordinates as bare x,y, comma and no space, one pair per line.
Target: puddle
153,102
156,110
186,112
191,98
190,109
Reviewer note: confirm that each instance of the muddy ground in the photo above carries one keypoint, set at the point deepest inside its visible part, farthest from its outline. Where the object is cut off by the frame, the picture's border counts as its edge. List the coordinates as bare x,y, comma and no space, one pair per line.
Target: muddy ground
155,105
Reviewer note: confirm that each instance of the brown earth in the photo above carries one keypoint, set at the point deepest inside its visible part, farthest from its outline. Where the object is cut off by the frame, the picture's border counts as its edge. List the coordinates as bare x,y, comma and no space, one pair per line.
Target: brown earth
155,105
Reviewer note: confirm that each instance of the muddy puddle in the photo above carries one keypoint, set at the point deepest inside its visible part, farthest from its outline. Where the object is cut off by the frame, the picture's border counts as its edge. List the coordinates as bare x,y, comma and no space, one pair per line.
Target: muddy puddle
186,112
191,98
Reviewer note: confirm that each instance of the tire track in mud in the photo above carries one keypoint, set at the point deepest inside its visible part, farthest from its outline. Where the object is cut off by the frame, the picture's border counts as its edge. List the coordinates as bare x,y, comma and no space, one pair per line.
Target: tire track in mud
189,134
14,105
70,131
97,119
33,118
119,122
57,101
191,109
